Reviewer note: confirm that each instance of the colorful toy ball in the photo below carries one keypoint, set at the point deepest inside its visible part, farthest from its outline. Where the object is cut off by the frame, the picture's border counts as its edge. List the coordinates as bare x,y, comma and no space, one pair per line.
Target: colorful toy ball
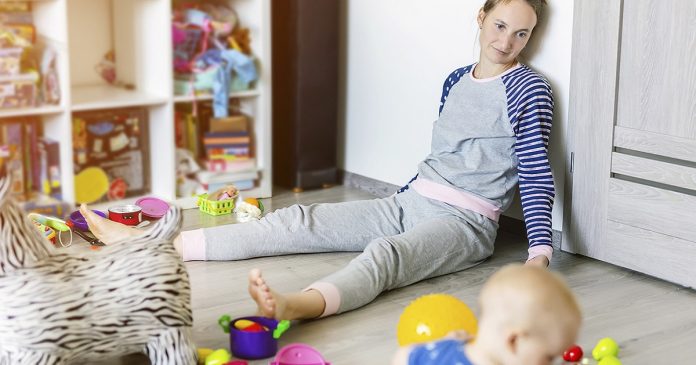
432,317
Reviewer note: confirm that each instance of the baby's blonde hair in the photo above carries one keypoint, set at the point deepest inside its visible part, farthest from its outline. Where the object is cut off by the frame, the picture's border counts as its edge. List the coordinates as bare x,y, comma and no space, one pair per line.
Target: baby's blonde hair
528,297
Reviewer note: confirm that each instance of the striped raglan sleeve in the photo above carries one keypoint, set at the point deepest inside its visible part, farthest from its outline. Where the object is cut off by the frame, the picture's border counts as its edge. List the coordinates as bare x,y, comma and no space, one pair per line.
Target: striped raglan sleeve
534,114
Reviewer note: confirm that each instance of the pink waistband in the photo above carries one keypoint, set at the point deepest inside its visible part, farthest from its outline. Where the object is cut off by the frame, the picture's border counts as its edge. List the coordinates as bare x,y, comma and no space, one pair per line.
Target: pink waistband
458,198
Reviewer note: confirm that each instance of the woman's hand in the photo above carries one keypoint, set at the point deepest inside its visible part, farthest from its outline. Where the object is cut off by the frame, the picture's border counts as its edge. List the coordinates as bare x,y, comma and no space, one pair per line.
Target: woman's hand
541,261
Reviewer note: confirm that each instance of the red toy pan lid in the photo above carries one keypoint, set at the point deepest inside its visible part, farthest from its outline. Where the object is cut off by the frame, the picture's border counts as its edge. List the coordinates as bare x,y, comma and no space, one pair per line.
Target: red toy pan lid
153,207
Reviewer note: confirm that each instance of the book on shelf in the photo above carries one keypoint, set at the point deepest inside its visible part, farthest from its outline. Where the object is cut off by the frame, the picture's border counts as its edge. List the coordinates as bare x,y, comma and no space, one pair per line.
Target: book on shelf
29,160
214,180
49,179
221,145
14,163
226,138
230,165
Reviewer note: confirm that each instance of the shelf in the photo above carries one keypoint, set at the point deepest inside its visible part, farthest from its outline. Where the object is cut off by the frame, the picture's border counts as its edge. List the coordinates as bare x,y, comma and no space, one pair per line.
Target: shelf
107,97
27,112
139,32
237,94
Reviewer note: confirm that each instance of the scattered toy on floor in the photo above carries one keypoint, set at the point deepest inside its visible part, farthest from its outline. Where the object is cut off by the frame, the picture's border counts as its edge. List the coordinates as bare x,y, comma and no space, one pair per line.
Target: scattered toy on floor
247,342
573,354
432,317
218,357
605,347
299,354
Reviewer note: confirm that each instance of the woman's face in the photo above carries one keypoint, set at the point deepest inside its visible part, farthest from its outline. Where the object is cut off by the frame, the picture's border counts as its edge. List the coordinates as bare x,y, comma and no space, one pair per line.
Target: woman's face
505,31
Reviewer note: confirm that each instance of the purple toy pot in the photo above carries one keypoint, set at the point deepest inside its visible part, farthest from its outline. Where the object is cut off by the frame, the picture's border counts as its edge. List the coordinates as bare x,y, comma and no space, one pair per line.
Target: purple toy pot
79,221
253,345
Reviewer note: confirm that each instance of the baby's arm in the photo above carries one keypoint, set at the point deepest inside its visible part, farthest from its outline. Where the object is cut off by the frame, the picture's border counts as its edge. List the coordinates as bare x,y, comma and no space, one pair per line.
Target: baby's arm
449,348
401,356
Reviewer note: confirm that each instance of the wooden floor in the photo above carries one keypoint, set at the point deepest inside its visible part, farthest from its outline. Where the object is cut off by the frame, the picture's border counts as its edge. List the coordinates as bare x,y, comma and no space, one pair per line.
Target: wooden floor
654,322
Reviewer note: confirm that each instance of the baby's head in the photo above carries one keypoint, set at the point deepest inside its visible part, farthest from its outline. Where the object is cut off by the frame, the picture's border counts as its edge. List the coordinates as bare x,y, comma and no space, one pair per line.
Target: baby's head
528,316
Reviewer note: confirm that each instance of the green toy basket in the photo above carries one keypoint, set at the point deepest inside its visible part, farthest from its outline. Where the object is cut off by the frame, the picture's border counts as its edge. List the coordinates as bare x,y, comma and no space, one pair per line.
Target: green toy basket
214,207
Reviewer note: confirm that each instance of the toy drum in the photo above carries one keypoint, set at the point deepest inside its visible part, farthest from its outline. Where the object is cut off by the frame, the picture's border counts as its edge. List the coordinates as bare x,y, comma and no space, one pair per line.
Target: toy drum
130,215
253,345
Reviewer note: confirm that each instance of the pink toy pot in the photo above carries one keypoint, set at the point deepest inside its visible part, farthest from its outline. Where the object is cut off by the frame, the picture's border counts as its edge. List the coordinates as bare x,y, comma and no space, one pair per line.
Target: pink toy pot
299,354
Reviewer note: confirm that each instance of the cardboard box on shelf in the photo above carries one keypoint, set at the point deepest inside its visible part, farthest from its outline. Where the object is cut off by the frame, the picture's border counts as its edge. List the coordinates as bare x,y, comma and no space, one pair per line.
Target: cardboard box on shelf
233,123
19,91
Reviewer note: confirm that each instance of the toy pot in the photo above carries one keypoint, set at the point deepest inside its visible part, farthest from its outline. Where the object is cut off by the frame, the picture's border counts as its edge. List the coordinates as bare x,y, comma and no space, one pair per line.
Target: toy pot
130,215
79,221
253,345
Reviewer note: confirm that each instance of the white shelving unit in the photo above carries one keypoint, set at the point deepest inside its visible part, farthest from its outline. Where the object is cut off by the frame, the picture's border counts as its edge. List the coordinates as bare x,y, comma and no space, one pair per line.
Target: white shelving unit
139,31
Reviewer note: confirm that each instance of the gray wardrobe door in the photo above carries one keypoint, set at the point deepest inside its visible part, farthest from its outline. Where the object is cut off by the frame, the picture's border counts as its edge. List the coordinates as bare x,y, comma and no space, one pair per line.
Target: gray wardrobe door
633,136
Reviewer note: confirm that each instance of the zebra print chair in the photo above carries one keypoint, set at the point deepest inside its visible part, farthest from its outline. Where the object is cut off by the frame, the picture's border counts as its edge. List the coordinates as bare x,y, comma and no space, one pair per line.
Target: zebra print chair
57,307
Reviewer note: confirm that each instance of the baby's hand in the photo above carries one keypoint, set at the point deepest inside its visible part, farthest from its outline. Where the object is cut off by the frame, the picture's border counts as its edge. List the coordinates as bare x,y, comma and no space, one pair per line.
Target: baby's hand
459,335
540,261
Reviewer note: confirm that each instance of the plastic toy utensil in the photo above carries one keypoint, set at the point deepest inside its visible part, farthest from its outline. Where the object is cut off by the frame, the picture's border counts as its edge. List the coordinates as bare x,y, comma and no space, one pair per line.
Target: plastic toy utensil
224,322
55,223
282,327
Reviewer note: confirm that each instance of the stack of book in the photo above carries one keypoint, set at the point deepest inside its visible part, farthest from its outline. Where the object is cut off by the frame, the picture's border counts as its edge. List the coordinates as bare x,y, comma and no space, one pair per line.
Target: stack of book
228,154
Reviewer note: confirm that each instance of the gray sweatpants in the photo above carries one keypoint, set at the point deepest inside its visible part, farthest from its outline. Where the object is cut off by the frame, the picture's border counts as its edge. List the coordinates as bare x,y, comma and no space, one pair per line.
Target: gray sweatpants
404,238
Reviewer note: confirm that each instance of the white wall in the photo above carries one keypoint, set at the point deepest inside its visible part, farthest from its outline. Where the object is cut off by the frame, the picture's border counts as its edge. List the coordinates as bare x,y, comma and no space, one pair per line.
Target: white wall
396,55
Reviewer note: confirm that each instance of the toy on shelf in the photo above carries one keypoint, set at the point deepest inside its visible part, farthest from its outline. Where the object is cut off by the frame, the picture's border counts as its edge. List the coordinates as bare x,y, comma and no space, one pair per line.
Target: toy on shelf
106,68
28,74
247,342
299,354
432,317
212,53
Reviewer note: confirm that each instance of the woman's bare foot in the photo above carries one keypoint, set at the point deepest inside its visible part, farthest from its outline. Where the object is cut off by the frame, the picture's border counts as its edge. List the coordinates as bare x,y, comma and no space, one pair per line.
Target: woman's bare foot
303,305
106,230
270,304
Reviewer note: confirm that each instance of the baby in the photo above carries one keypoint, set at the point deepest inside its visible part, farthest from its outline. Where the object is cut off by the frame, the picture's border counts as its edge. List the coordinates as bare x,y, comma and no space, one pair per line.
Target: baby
528,317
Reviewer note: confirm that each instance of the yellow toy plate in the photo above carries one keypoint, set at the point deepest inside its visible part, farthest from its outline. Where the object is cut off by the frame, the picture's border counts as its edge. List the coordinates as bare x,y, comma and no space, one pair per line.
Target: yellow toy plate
90,185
